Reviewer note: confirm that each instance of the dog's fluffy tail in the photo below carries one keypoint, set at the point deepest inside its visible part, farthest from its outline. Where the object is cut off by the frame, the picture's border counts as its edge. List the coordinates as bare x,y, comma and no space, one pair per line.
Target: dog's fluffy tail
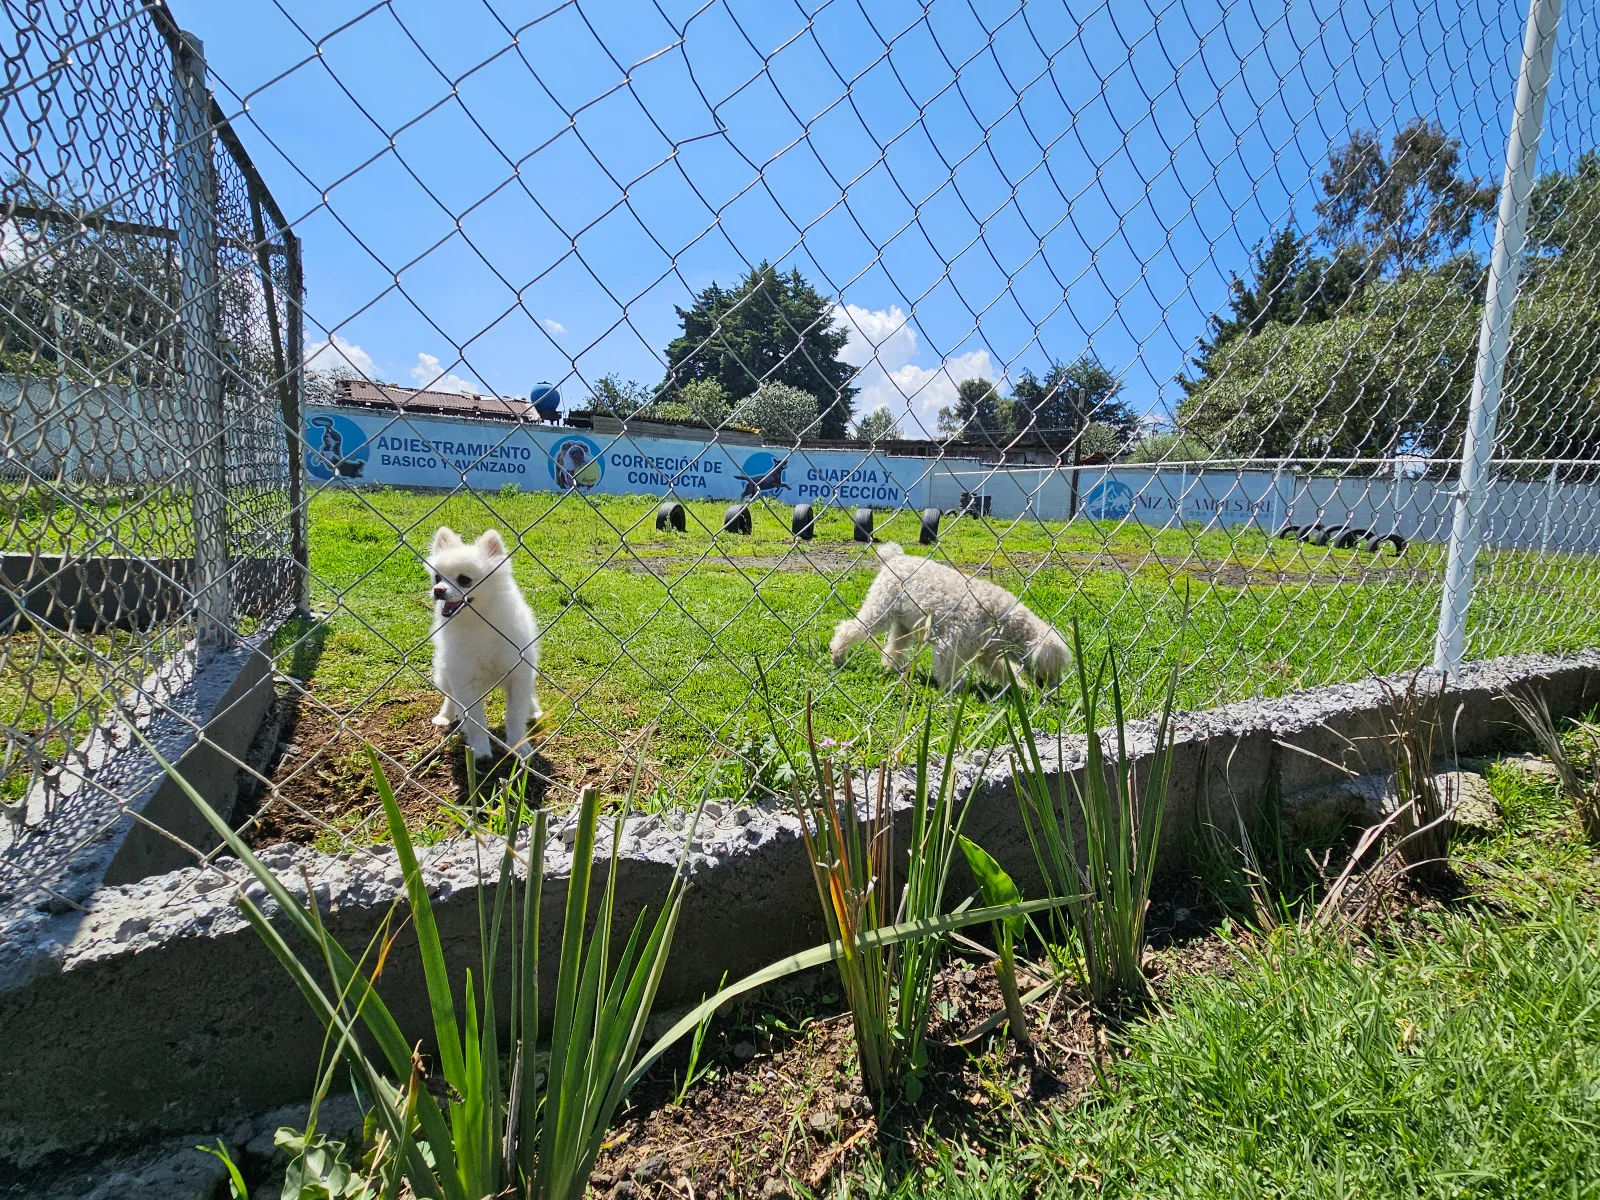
888,550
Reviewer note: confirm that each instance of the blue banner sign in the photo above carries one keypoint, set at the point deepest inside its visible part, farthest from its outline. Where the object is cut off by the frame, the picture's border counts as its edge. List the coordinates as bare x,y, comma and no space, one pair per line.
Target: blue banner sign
363,446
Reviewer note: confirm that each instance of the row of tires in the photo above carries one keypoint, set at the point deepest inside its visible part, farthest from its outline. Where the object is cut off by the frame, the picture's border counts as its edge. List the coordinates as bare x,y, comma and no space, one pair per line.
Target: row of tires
672,517
1345,537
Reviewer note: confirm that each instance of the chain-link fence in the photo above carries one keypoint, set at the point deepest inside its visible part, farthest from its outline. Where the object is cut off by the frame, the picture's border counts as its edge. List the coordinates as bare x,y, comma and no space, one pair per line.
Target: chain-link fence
1188,324
149,297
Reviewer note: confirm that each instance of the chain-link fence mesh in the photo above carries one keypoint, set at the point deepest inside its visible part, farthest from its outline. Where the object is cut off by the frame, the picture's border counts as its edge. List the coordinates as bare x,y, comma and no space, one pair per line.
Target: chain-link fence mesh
1164,319
144,390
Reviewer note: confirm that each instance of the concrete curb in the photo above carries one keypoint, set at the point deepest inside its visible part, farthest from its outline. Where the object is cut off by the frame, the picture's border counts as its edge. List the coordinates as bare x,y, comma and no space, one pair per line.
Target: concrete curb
100,821
157,1011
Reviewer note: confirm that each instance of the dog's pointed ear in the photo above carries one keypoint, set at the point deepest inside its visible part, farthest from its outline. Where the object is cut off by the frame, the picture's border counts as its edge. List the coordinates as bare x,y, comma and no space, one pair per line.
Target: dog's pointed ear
445,538
492,544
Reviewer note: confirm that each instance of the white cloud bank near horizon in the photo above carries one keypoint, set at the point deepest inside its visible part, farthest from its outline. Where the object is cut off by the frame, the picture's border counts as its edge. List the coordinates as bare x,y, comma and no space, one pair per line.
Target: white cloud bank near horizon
883,343
340,354
335,353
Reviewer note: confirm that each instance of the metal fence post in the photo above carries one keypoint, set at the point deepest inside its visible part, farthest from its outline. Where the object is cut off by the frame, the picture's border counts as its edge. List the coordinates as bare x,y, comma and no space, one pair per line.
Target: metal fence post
198,315
299,514
1522,155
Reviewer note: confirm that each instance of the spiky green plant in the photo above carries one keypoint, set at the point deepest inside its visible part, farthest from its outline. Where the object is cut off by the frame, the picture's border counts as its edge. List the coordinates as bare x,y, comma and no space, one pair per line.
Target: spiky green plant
495,1135
1106,890
518,1136
855,864
1584,794
1411,740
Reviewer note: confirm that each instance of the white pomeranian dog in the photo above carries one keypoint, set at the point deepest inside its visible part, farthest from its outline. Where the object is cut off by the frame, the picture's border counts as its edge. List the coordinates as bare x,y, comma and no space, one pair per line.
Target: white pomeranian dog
484,637
971,622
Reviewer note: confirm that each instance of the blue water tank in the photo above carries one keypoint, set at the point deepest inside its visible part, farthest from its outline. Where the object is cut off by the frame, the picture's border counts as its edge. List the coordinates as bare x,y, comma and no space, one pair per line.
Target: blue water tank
546,400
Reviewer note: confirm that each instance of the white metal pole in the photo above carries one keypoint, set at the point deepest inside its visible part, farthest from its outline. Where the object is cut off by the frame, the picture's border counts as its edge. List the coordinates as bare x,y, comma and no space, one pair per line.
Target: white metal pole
198,313
1522,154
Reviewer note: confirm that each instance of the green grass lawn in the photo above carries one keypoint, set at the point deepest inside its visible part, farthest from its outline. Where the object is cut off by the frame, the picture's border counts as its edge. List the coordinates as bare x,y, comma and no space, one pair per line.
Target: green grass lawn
1451,1053
656,629
642,627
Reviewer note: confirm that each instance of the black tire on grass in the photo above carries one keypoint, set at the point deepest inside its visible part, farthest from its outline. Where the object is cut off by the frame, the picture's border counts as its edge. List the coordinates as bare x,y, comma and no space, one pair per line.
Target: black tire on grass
862,523
736,519
1349,538
930,526
804,524
1376,543
671,516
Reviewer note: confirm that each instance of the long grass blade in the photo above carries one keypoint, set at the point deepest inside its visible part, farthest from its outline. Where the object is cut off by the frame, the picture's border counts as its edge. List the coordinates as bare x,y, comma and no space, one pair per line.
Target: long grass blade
829,952
375,1014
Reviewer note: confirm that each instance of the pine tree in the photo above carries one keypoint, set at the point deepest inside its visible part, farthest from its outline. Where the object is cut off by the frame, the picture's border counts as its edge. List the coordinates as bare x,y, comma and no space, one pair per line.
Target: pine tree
771,328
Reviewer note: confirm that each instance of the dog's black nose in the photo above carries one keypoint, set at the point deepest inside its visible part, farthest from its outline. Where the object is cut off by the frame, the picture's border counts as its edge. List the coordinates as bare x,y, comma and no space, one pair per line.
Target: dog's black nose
440,594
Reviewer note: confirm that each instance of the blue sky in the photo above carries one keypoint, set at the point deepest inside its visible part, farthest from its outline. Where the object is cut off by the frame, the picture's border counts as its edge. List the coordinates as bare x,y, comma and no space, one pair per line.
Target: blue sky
494,193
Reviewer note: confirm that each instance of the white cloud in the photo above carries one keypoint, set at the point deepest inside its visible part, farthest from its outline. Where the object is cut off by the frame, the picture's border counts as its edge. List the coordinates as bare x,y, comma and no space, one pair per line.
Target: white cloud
339,354
553,325
883,342
881,334
430,375
922,391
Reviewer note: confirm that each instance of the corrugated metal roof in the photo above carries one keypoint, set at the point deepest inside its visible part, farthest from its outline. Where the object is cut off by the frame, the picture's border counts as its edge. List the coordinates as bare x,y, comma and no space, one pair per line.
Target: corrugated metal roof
450,404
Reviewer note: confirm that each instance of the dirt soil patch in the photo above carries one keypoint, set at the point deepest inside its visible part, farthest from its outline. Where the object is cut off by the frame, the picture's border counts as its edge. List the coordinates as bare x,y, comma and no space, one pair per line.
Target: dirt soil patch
322,785
782,1107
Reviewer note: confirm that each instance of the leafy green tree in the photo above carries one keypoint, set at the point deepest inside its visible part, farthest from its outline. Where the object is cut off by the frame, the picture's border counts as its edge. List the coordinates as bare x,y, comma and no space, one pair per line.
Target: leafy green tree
1169,445
1564,212
781,412
1392,371
1405,209
1101,442
613,396
706,401
1550,402
979,409
1289,285
878,425
770,329
1391,377
1061,406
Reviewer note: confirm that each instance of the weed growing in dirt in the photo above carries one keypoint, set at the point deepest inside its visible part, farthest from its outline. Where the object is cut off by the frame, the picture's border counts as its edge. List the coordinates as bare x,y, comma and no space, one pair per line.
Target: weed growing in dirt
500,1131
855,864
1581,787
1413,743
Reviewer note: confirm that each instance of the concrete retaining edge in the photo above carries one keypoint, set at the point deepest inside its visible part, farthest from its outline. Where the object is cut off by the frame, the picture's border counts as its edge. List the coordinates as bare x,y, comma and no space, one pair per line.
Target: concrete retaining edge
100,820
157,1010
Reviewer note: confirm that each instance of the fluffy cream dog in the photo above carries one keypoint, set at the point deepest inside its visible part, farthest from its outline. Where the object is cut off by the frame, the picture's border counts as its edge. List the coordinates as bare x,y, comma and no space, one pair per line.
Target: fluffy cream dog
971,622
484,637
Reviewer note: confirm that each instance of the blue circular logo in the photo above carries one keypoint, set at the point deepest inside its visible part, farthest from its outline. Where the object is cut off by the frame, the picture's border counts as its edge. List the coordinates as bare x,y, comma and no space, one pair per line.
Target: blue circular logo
1109,501
763,472
575,462
336,447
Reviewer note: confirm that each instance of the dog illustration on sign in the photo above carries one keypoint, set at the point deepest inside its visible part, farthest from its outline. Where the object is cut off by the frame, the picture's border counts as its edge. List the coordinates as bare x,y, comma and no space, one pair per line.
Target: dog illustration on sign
330,460
762,473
